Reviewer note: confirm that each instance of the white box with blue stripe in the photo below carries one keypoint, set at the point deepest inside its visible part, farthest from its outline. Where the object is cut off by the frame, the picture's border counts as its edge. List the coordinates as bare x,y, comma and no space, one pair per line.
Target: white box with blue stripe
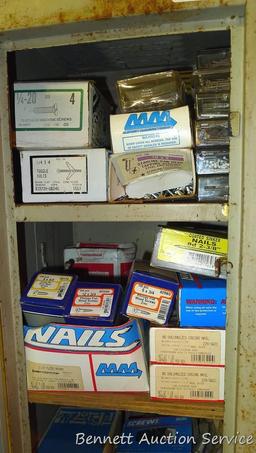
86,358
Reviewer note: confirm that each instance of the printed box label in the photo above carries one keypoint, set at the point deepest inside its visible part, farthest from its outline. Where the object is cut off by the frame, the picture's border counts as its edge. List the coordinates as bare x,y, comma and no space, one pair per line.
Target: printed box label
47,286
92,302
59,174
49,109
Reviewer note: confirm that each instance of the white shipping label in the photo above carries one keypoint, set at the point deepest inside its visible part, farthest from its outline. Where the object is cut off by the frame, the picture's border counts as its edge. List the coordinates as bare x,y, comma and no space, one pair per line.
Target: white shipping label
92,302
66,174
186,382
187,346
150,302
49,109
46,286
43,376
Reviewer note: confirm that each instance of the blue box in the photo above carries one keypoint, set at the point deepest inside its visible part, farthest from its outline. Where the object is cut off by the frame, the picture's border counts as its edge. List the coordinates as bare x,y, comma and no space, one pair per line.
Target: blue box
47,298
68,422
151,294
95,304
157,433
202,301
60,298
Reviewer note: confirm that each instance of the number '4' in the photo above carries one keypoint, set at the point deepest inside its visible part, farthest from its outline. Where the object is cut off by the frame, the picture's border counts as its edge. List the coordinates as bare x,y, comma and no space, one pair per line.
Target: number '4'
72,98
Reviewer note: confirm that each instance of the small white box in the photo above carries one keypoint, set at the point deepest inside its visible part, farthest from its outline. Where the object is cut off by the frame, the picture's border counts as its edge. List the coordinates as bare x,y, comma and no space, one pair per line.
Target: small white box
172,345
62,176
63,115
151,130
177,382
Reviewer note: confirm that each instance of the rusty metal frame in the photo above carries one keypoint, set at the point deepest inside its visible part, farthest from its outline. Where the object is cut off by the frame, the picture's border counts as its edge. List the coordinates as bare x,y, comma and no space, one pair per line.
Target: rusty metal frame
240,414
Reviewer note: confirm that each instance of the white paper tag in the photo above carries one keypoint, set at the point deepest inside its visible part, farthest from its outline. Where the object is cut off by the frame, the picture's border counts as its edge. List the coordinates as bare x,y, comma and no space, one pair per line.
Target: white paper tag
49,109
92,302
47,286
150,302
66,174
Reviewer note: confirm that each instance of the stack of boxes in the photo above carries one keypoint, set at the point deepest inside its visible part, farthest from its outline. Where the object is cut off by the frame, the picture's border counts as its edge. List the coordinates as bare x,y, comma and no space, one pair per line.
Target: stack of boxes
187,361
62,131
212,106
152,140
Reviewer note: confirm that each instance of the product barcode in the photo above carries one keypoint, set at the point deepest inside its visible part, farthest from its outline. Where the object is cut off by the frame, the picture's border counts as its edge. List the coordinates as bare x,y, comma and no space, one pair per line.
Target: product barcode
210,358
201,394
61,291
107,305
68,385
203,259
164,307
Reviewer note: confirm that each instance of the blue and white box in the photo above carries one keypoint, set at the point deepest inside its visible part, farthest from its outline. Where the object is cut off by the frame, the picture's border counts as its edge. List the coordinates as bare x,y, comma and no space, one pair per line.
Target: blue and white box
151,130
72,428
202,301
95,303
60,298
151,294
157,433
86,358
47,298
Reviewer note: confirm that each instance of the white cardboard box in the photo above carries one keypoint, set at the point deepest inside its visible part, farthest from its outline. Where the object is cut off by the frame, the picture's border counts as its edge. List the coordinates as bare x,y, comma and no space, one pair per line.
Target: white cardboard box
177,382
62,176
102,260
86,358
139,174
51,115
151,130
172,345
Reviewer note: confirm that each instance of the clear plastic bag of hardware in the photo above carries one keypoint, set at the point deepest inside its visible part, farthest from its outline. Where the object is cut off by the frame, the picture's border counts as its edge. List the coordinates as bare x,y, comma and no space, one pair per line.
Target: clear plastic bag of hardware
212,133
211,80
213,58
212,161
159,91
213,188
212,105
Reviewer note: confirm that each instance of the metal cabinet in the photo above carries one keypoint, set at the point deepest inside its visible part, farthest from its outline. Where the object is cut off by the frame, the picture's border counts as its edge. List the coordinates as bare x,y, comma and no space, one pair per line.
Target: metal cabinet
32,25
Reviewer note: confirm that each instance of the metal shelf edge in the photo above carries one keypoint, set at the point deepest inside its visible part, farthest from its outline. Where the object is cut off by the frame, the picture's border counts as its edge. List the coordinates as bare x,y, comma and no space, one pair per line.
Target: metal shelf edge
125,212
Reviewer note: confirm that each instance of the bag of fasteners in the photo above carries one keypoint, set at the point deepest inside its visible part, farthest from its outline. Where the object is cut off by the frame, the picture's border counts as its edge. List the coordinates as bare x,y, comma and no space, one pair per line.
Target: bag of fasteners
152,175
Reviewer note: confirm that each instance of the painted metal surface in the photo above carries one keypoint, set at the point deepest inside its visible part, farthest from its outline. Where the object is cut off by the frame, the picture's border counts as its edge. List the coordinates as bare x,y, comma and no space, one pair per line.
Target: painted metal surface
16,14
13,348
246,396
122,212
241,391
235,226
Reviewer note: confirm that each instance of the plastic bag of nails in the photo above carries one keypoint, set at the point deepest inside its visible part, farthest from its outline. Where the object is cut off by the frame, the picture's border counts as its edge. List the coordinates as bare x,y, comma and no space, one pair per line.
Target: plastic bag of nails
159,91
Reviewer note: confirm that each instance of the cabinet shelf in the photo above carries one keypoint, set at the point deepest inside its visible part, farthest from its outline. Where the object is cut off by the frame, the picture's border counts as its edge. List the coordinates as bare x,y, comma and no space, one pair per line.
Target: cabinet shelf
130,402
126,212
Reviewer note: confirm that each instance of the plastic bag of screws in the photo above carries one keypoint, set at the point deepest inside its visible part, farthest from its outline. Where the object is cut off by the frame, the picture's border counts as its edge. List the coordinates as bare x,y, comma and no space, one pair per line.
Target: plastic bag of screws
212,105
212,161
212,133
213,188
